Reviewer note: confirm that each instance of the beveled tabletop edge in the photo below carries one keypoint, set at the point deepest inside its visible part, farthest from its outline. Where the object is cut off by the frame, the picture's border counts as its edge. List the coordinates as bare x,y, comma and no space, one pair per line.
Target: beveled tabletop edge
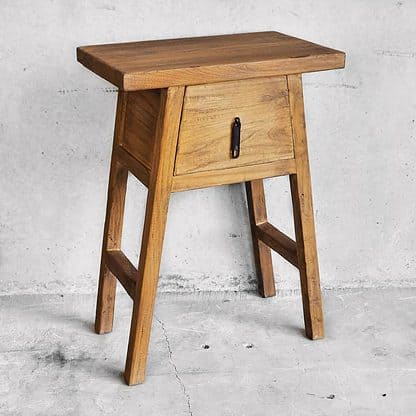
328,59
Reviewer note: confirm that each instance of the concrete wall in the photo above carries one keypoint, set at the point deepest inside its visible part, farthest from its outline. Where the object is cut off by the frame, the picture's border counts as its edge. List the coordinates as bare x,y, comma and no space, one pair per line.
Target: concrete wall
56,122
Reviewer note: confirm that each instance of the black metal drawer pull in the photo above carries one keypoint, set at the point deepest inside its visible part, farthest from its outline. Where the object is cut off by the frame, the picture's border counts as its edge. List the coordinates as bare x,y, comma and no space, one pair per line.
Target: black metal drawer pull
235,140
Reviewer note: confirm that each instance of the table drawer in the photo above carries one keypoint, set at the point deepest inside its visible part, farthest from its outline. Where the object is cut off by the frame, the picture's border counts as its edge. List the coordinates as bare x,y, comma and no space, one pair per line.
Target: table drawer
209,110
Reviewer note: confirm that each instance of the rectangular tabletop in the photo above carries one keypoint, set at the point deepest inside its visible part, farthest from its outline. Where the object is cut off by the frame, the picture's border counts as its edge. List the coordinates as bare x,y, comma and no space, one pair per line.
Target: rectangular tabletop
189,61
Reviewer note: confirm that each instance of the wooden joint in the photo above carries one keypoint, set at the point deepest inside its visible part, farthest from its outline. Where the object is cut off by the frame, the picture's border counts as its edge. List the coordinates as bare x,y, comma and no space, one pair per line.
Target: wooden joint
121,267
238,174
278,241
140,171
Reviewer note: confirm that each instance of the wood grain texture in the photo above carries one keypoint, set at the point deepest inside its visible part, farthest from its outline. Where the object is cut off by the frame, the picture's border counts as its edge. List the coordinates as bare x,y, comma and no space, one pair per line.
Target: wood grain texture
140,124
262,255
141,172
112,227
153,233
303,217
190,61
278,241
121,267
176,135
233,175
208,113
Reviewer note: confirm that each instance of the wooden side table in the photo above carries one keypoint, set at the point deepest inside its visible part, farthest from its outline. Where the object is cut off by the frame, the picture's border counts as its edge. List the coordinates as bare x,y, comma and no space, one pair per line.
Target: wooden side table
199,112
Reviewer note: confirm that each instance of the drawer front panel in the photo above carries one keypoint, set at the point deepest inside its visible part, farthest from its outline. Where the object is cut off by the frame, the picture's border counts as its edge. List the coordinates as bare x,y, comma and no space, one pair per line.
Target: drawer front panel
209,111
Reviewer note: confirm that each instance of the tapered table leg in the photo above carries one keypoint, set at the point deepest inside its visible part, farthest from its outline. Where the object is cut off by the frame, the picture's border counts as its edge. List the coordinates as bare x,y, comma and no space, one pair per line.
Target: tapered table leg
159,190
262,253
112,227
304,217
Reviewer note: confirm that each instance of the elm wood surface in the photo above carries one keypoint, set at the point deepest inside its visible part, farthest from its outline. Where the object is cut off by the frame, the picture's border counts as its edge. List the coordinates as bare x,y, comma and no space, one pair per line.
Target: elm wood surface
140,125
113,226
121,267
262,106
233,175
278,241
256,202
189,61
159,191
157,134
140,171
300,184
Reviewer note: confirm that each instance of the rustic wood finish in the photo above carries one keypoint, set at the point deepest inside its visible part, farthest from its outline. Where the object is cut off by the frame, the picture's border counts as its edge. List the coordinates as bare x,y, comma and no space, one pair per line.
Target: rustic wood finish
160,186
256,202
208,112
112,227
190,61
233,175
121,267
175,134
300,184
140,125
133,165
278,241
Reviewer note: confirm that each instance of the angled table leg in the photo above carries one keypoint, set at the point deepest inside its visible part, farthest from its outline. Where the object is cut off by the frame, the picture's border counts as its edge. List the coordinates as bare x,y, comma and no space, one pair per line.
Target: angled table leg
300,184
112,227
159,190
262,253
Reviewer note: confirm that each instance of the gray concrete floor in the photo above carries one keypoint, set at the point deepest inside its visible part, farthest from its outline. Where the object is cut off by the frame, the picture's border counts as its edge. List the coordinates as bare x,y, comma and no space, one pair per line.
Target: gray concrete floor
258,362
